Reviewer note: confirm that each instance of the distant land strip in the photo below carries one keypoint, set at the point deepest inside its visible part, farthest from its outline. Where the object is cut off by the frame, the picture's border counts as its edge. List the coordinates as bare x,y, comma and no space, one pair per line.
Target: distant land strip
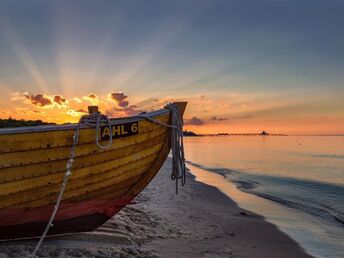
193,134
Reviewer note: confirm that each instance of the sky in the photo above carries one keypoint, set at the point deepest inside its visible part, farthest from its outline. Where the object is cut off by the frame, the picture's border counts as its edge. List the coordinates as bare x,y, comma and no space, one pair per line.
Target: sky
243,66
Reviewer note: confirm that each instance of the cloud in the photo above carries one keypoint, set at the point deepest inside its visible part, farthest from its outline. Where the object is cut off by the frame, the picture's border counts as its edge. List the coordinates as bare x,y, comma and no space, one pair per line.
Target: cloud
81,111
124,108
123,112
120,98
114,104
215,118
148,102
244,117
77,100
39,100
194,121
76,113
18,96
59,100
91,98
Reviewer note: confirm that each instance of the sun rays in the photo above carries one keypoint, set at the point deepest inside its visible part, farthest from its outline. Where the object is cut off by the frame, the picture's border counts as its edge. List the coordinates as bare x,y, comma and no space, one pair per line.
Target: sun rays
234,79
26,60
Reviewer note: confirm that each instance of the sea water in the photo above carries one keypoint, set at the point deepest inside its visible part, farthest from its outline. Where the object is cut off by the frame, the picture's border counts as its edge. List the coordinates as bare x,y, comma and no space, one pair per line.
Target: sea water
300,180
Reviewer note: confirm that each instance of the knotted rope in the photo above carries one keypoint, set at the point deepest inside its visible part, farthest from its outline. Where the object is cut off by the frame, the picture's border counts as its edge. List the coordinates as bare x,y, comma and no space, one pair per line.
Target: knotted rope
177,144
96,120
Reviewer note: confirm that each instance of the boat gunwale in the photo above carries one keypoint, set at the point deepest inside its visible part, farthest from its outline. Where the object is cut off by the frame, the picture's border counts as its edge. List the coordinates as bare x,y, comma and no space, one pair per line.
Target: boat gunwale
72,126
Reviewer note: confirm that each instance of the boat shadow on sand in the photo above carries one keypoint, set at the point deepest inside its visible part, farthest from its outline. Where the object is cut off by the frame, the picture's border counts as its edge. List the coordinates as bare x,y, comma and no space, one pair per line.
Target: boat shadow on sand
120,236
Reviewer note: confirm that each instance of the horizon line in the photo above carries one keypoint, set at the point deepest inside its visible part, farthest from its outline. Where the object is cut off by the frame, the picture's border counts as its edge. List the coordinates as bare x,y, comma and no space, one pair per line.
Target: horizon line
271,134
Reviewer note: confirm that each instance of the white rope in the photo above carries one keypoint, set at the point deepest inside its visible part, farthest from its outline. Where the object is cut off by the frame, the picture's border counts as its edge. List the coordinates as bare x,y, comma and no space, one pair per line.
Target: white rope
63,186
177,144
96,120
85,121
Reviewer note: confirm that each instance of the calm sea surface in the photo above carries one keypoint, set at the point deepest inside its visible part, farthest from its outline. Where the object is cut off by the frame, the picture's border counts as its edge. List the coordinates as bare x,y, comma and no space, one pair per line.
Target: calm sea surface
298,182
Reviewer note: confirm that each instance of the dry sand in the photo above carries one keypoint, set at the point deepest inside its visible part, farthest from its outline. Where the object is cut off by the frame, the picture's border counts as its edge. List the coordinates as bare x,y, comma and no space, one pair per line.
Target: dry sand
198,222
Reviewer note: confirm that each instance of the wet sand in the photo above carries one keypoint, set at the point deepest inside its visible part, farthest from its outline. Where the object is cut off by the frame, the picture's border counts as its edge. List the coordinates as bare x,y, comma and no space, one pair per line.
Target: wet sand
198,222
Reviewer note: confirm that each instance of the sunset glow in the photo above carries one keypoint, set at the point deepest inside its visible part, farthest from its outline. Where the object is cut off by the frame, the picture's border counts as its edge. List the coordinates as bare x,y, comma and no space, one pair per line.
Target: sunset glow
238,77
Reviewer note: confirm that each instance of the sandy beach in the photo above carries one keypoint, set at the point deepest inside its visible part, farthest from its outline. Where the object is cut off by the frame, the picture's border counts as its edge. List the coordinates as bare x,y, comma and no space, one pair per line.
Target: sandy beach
198,222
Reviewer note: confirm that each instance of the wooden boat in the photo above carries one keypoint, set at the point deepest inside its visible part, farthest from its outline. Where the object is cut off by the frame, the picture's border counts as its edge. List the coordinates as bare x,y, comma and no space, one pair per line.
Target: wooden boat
33,165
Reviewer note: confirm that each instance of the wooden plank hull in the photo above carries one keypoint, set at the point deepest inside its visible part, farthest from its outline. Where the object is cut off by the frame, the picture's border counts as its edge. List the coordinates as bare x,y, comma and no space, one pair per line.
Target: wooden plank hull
32,167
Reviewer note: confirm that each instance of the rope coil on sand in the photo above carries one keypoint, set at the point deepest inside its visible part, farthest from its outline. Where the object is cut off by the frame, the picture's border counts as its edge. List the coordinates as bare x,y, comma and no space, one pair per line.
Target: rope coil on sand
96,120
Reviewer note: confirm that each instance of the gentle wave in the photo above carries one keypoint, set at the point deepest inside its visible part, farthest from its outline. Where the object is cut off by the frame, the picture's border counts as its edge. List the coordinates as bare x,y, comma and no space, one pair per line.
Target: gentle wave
326,214
222,171
312,197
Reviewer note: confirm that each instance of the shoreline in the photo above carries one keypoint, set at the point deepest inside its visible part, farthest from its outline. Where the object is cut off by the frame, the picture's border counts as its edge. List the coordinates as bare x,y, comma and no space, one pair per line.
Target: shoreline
200,221
219,227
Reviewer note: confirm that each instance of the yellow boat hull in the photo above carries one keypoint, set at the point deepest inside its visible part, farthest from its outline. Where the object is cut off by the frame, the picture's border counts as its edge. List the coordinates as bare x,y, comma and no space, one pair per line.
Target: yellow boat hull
33,164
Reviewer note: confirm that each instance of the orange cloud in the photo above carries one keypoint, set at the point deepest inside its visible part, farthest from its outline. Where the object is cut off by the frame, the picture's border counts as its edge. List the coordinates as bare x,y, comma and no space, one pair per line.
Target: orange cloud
77,100
68,110
91,98
207,113
76,113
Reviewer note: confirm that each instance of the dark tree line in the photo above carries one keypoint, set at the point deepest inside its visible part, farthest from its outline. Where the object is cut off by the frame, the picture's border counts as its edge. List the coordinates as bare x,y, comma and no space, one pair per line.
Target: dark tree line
10,122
